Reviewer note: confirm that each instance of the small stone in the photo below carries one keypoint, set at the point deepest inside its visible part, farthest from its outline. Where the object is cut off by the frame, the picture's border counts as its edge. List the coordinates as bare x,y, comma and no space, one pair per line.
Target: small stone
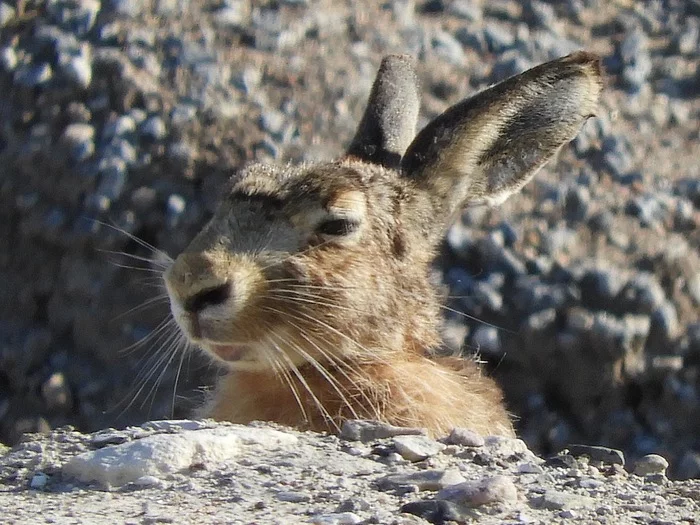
498,38
153,128
497,489
131,8
465,437
39,481
434,511
77,66
175,207
292,497
369,430
417,448
423,479
56,392
340,518
635,58
465,9
79,140
8,58
597,453
448,47
530,468
650,464
7,13
175,425
148,481
556,500
108,437
33,75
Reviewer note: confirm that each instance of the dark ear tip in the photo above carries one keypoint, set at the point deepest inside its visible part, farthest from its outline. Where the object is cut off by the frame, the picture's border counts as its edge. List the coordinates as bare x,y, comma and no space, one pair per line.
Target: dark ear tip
590,63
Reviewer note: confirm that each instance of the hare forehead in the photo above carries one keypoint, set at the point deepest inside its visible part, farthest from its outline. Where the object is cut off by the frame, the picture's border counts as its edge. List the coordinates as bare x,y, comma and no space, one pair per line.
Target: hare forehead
316,189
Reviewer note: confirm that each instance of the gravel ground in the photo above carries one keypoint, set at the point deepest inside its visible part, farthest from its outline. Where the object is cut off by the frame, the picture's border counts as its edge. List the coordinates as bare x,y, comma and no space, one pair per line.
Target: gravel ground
204,472
125,117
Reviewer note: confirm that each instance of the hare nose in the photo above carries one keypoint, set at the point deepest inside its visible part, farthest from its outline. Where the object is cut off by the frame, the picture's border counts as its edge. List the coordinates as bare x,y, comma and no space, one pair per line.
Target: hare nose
207,297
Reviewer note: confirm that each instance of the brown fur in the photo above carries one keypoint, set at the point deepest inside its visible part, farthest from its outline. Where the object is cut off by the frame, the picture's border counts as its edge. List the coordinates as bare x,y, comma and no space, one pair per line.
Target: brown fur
310,283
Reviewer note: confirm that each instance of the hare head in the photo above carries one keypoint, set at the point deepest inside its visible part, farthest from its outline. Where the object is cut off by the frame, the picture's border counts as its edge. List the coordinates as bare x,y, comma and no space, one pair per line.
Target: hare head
327,263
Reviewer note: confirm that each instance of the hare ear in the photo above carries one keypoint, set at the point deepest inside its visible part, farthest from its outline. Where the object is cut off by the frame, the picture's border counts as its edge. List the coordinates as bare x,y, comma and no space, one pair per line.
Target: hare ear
487,147
389,122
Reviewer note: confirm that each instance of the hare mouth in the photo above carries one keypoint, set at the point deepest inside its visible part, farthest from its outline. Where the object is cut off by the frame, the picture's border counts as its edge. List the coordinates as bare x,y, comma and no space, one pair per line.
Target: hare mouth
228,352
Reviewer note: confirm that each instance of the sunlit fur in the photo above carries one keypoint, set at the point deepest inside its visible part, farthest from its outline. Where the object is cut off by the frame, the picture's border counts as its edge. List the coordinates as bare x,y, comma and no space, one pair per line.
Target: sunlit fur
316,325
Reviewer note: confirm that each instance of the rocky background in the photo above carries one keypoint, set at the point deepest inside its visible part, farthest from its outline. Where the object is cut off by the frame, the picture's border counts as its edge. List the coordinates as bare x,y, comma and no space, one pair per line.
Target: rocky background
120,120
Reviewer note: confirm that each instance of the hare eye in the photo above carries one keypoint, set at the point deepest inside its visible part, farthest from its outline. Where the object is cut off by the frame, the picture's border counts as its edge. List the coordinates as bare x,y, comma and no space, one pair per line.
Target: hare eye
338,226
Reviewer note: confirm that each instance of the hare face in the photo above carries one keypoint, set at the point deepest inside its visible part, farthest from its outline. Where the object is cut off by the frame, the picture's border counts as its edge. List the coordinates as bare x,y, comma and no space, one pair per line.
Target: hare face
302,264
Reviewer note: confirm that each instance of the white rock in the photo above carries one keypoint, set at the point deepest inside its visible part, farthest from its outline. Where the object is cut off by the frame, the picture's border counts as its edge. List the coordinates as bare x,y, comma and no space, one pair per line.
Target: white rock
466,438
163,454
650,464
339,518
496,489
417,448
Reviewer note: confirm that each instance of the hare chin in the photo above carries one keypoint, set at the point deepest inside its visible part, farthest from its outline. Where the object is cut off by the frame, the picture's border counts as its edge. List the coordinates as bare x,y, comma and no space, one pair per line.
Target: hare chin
235,356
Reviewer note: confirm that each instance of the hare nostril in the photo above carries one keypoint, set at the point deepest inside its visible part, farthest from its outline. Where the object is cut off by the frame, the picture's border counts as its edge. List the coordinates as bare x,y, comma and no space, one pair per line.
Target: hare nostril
208,297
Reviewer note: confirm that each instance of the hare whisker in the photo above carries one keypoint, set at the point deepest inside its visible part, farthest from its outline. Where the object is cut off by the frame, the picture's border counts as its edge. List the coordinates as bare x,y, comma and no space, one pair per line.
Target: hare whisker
282,372
138,240
305,384
162,298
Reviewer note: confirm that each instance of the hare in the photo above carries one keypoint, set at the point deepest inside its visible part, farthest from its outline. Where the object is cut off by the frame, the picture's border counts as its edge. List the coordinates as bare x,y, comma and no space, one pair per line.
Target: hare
310,282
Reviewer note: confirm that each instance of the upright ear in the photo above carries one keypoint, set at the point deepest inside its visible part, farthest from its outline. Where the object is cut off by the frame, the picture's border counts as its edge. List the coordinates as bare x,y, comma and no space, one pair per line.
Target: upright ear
489,146
389,122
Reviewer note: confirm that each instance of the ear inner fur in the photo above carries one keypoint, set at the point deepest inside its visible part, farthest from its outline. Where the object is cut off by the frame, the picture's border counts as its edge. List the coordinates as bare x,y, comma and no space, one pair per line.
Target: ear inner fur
389,122
488,146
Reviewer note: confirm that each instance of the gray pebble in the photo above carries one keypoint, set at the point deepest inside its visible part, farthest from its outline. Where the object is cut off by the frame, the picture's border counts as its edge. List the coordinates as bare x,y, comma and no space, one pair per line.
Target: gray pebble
8,58
650,464
56,392
465,438
497,489
498,38
448,47
233,15
417,448
598,453
557,500
153,128
577,204
423,480
434,511
118,127
465,9
113,175
688,41
486,340
339,518
33,75
635,59
79,140
664,323
7,13
600,287
132,8
292,497
75,16
641,294
368,430
77,67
